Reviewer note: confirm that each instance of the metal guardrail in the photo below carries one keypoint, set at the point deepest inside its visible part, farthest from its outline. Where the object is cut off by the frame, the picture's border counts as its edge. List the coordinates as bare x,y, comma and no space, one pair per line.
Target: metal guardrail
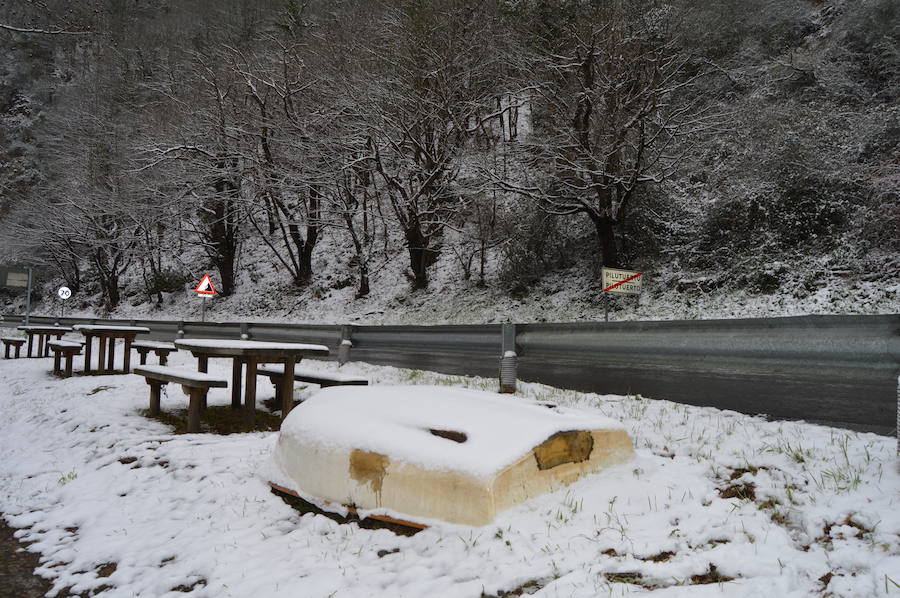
839,370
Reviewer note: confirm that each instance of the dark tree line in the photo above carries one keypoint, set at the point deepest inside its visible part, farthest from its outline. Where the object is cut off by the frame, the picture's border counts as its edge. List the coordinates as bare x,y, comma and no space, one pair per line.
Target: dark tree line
496,132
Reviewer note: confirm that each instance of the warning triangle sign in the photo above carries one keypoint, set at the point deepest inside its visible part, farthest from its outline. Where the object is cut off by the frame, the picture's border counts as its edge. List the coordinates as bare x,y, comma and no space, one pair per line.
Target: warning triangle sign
206,286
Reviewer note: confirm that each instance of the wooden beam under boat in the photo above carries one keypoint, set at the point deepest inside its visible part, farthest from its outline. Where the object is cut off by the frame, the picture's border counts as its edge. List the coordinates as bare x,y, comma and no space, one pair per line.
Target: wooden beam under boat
383,518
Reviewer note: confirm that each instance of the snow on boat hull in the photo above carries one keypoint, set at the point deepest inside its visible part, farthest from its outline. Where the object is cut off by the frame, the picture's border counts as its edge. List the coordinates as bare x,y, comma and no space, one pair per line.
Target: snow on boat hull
429,453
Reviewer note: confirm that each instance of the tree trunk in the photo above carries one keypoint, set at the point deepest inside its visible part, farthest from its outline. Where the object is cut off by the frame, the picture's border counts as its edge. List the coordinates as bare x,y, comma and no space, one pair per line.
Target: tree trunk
606,241
312,236
363,289
223,229
225,265
112,293
417,245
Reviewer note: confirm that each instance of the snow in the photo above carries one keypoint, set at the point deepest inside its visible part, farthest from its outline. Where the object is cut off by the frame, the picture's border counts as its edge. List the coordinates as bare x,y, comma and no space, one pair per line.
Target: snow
98,328
164,370
89,481
152,345
209,343
395,421
65,344
279,370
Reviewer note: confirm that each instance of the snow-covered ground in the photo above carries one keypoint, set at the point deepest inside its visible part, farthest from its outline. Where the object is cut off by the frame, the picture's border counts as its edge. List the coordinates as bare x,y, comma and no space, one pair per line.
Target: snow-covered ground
715,503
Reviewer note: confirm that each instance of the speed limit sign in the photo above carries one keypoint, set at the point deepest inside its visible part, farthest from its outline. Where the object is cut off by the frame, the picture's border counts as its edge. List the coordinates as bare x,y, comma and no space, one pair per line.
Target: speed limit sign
64,292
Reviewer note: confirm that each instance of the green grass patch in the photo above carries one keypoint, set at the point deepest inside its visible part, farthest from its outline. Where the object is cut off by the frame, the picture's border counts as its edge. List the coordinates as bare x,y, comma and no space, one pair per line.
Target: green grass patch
217,420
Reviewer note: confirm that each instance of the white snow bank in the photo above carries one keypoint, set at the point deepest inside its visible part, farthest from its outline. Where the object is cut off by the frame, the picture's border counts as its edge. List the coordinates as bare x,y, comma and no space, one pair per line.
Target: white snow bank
210,343
396,421
98,328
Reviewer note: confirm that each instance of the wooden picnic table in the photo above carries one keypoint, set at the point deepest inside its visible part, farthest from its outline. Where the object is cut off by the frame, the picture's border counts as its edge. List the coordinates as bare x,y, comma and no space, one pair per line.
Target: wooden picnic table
43,333
252,353
106,360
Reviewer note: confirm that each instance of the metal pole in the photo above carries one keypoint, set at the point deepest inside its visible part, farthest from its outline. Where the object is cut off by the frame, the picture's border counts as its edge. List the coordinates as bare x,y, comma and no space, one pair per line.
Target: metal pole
28,298
508,359
345,345
203,310
606,306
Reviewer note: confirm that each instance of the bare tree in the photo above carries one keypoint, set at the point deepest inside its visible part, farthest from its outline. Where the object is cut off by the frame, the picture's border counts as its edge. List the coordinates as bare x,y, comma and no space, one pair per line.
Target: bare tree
438,71
612,114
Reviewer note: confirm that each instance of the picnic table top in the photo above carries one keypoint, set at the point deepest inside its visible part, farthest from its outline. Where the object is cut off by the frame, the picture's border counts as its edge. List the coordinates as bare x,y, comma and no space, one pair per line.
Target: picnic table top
240,348
19,339
30,328
96,328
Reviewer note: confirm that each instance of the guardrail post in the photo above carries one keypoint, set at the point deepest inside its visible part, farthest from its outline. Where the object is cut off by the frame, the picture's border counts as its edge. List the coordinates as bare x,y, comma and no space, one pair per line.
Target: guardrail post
180,329
245,331
345,346
508,359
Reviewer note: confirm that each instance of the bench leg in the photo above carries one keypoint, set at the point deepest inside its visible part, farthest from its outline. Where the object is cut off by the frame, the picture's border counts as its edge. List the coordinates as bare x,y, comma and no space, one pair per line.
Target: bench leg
203,366
236,368
6,351
30,342
154,397
101,355
70,357
126,365
287,387
143,355
163,359
111,361
18,347
250,393
198,396
40,347
276,382
87,354
56,362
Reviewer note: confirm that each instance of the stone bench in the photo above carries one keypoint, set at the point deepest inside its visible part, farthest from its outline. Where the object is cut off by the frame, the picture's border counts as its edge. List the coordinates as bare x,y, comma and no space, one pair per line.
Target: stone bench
63,349
194,384
9,343
161,350
275,373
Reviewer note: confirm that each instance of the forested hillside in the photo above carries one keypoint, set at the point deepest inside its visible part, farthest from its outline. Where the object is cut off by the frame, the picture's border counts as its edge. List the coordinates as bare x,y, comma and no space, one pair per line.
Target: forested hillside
458,160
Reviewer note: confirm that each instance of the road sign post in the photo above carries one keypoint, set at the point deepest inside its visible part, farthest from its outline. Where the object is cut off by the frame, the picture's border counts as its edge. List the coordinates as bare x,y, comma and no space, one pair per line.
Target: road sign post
63,293
205,289
624,282
28,298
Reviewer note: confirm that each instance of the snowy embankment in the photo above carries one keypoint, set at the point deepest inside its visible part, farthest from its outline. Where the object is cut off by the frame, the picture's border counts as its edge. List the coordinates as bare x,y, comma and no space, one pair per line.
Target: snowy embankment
714,504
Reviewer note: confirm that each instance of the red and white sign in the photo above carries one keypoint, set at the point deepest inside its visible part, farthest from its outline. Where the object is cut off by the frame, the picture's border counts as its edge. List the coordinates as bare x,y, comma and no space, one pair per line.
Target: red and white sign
621,281
206,286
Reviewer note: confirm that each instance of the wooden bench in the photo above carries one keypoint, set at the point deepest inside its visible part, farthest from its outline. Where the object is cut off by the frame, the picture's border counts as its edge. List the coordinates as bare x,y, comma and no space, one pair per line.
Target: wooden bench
10,342
161,350
65,349
275,373
194,384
